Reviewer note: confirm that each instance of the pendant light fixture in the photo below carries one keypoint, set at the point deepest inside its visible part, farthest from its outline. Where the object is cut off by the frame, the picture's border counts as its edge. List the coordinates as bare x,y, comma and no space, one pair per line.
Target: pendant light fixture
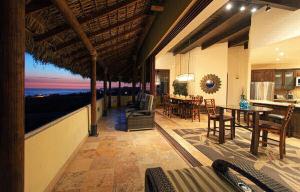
186,76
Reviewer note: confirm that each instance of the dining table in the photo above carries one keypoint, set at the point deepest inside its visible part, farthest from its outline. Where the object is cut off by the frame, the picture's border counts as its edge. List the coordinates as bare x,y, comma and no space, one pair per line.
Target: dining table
256,111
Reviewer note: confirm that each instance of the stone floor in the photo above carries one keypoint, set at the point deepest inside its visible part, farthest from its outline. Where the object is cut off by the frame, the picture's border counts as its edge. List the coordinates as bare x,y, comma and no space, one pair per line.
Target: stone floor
116,160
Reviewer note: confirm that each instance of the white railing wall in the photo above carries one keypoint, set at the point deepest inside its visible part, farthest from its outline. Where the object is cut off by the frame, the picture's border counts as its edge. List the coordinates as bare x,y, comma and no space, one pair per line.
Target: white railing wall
48,149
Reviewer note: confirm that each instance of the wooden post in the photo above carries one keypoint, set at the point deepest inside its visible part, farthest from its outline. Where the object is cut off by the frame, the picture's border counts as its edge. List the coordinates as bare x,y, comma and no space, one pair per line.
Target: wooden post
143,78
12,52
94,131
119,93
109,93
134,74
152,75
105,93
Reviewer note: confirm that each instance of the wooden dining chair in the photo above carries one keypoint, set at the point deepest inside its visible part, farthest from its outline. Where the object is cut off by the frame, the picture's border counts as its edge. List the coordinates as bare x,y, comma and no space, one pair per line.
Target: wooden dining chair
195,107
278,129
166,103
213,116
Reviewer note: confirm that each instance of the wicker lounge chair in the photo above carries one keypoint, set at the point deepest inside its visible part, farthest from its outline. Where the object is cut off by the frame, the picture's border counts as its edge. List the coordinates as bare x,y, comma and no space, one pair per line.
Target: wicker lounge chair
222,176
143,117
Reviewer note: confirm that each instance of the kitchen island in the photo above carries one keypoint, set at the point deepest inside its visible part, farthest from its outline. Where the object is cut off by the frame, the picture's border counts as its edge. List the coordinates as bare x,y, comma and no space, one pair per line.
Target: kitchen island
280,108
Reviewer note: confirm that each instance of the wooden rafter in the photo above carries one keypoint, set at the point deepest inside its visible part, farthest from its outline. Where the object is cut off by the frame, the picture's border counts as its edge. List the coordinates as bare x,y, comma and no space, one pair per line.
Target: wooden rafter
235,28
137,30
37,5
97,14
72,21
240,40
103,30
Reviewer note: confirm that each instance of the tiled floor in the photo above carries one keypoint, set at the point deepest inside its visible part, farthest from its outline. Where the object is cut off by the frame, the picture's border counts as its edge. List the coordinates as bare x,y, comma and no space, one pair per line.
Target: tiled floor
117,160
192,136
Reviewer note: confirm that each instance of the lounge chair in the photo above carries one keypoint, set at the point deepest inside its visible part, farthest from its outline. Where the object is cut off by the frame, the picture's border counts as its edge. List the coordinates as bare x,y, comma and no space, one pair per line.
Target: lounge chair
142,117
222,176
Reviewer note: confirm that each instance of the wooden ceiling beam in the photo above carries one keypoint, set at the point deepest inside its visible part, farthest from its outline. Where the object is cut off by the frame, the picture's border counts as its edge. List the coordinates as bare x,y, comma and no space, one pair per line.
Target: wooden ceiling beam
208,26
245,23
73,22
37,5
291,5
239,40
100,31
149,22
83,20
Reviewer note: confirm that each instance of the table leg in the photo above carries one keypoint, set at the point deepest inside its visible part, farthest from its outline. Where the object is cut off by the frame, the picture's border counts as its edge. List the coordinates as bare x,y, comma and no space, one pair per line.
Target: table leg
238,116
221,127
233,122
255,134
265,133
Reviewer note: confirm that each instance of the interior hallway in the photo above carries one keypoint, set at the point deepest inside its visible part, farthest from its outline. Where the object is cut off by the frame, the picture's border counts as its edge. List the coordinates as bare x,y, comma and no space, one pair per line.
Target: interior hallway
116,160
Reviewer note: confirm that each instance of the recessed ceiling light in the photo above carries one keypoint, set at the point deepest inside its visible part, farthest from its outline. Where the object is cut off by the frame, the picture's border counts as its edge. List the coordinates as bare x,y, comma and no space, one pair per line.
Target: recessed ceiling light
228,6
277,59
281,53
277,49
242,8
254,9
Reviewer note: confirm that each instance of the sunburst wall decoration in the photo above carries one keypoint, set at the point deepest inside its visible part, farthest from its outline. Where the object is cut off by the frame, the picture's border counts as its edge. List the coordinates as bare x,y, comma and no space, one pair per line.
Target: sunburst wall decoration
210,83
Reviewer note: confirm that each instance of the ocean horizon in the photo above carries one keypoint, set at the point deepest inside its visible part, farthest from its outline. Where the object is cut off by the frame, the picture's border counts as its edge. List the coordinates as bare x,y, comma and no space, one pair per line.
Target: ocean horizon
47,91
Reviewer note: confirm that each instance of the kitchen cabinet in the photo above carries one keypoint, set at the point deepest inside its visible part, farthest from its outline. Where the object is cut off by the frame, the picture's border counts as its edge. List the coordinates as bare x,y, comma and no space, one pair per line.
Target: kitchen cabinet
264,75
285,79
278,80
289,80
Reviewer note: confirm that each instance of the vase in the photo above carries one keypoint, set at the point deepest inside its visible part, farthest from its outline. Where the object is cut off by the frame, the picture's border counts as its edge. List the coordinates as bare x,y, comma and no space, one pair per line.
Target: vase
244,104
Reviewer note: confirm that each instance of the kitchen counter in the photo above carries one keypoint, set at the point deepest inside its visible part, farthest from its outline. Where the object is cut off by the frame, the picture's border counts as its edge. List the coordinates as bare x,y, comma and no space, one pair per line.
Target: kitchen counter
266,102
281,108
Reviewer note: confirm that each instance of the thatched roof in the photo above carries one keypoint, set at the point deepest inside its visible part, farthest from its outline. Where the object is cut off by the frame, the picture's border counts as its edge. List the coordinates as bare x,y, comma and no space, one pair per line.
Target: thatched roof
114,27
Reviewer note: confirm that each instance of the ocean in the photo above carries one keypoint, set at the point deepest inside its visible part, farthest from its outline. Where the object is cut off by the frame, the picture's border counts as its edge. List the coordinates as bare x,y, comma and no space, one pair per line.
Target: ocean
46,92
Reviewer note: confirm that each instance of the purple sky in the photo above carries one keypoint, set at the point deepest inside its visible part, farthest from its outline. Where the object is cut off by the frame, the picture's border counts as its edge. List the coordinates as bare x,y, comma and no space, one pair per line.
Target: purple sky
38,75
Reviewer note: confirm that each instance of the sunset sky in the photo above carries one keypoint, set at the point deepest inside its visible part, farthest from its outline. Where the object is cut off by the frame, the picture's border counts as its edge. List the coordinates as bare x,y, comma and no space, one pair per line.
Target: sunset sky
38,75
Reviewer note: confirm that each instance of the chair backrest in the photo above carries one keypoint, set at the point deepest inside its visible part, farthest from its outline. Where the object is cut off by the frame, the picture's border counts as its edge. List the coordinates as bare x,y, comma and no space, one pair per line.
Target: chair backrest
166,99
288,116
197,101
210,106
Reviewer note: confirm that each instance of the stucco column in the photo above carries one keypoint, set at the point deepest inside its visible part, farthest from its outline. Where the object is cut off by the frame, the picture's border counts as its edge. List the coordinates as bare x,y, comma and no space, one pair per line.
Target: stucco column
93,97
12,53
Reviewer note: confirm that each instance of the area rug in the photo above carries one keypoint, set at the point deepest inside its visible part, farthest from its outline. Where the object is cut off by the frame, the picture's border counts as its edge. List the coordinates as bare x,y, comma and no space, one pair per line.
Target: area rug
286,171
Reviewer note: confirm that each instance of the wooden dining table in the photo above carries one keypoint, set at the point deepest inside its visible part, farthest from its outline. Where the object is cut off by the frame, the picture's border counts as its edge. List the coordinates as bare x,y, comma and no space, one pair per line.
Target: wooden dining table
255,122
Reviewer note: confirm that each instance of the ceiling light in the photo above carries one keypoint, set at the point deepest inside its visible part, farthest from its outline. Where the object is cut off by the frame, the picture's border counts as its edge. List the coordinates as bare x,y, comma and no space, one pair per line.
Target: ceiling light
242,8
281,53
253,10
277,49
277,59
228,6
268,8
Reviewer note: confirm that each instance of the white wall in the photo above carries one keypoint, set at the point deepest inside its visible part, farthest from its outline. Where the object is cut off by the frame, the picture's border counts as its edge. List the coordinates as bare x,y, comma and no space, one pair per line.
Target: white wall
48,148
238,59
274,26
212,60
167,61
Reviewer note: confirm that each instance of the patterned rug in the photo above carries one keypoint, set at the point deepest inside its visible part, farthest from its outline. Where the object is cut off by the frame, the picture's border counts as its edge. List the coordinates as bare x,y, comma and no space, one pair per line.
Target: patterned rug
286,171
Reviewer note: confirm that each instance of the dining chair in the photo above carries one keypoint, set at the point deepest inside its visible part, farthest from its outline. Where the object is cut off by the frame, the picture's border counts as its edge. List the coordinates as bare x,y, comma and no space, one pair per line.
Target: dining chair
166,103
214,116
195,107
277,129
